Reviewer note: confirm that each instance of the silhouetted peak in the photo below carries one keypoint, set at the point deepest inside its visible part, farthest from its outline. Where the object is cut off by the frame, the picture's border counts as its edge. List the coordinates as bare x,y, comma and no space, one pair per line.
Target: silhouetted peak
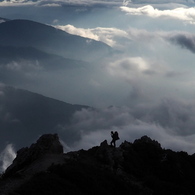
126,145
46,144
148,140
104,144
49,143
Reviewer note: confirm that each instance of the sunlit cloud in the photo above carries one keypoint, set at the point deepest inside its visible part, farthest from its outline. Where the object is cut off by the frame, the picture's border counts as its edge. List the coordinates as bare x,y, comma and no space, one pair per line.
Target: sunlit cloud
129,68
12,3
181,13
123,38
106,35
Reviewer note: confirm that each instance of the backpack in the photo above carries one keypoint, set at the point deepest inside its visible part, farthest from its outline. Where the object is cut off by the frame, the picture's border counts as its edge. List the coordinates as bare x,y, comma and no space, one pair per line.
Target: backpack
116,136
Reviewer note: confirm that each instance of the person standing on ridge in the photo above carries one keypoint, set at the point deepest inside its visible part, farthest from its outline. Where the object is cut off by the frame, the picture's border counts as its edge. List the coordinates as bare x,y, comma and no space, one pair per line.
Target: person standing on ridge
115,137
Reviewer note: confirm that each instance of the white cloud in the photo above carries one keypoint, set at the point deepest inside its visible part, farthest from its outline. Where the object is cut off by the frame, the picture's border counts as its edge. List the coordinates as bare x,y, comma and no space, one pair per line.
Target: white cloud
87,33
6,157
128,68
6,3
165,123
106,35
163,2
181,13
142,73
122,39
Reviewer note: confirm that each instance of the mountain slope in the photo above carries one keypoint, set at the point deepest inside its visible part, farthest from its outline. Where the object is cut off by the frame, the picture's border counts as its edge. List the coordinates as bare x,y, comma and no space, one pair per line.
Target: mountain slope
25,33
142,167
35,56
9,54
25,115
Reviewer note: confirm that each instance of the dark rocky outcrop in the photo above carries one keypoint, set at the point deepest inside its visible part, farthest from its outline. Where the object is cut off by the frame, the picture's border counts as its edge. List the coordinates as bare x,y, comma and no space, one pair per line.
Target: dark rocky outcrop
46,144
141,167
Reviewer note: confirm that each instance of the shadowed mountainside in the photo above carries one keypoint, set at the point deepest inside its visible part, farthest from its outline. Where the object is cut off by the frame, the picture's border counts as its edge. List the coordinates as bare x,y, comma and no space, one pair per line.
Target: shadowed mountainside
142,167
33,54
30,115
9,54
26,33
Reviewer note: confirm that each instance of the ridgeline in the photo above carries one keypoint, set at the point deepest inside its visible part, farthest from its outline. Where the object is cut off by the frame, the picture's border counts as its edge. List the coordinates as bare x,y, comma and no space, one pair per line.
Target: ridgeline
137,168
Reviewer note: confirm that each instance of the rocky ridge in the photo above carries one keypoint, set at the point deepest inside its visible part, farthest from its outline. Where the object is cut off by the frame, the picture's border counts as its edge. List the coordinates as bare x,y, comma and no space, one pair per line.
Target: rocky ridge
141,167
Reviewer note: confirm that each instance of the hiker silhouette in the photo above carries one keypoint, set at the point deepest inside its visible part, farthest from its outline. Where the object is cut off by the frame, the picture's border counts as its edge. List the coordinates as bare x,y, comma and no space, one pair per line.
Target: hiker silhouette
115,137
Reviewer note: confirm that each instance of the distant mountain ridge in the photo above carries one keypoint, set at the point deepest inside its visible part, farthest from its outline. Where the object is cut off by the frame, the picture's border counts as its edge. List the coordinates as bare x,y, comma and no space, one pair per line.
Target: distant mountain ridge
26,33
25,115
31,48
8,54
141,167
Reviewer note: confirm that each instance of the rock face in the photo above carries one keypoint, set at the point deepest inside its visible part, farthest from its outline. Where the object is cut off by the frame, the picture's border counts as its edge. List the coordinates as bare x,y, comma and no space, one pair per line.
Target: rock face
46,144
137,168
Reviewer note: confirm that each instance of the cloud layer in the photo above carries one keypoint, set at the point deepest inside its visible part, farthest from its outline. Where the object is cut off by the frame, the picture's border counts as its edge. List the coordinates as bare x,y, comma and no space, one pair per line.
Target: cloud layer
171,123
